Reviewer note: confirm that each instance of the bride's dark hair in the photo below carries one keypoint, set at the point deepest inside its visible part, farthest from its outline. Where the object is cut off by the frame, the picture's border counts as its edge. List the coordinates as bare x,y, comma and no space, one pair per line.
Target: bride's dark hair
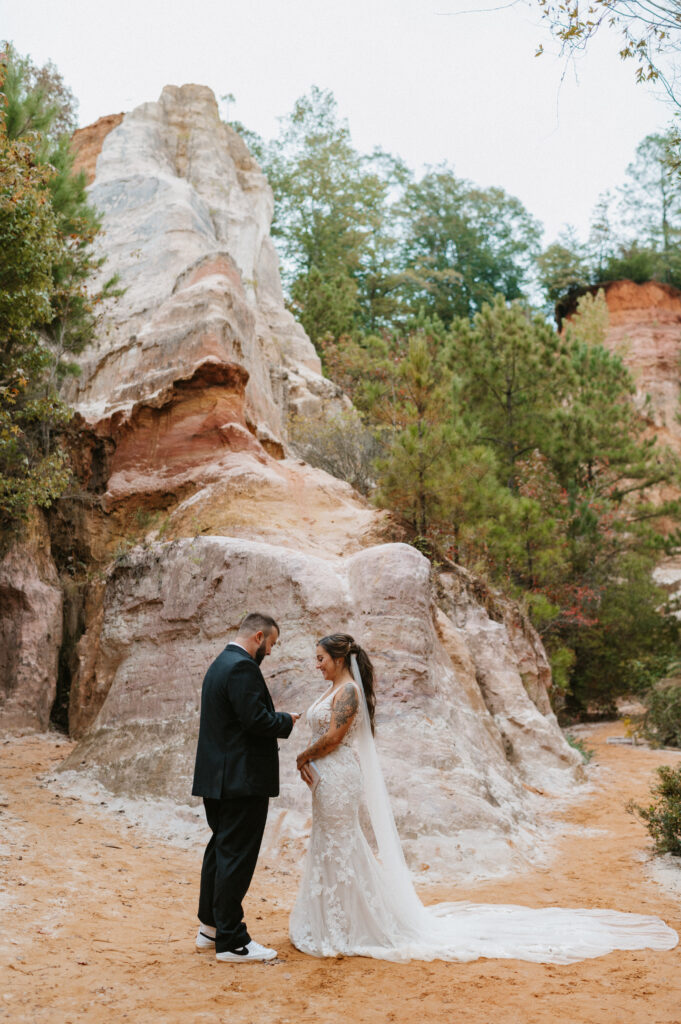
342,645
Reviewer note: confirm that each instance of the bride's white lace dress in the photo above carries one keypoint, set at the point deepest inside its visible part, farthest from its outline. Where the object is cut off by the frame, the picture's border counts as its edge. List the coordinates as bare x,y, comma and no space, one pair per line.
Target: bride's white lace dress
353,903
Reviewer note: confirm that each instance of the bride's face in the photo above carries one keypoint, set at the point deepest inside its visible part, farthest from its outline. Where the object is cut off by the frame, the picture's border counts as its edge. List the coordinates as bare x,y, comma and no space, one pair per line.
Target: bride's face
326,665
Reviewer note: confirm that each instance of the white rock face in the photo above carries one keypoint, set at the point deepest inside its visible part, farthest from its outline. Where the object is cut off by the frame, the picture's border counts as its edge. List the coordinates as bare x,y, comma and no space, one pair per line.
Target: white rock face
462,772
187,214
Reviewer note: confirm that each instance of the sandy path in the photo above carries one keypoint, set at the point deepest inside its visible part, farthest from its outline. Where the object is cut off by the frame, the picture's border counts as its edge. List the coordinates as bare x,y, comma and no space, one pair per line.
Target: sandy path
98,924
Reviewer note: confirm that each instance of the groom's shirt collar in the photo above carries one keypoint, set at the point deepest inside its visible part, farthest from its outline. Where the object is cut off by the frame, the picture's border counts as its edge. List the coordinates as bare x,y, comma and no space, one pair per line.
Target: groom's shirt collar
233,643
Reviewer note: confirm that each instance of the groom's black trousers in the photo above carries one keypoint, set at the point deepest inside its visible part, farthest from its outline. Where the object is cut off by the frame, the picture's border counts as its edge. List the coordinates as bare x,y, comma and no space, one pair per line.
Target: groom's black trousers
237,825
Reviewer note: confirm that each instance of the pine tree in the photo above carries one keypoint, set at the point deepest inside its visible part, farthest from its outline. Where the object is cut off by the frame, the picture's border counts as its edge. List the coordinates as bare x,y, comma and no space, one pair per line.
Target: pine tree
47,312
40,112
507,367
415,475
31,246
600,451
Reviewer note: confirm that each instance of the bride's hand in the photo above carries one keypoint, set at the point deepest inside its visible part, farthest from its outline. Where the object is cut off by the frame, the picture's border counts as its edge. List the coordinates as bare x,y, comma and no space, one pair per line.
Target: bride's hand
306,775
300,761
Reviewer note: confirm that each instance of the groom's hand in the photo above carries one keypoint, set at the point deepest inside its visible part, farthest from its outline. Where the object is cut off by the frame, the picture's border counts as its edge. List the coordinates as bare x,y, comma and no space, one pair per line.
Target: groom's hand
295,716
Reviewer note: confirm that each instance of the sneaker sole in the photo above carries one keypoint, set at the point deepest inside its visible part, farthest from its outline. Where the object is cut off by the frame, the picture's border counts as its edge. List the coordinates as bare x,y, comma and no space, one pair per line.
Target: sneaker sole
230,958
210,948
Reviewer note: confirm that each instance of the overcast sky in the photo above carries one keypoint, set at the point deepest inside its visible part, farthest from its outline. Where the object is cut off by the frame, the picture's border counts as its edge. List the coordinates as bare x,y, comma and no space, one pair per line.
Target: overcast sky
420,78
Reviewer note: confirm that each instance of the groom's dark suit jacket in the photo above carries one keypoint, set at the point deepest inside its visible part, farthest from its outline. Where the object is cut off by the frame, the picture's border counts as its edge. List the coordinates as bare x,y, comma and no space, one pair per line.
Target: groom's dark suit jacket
237,753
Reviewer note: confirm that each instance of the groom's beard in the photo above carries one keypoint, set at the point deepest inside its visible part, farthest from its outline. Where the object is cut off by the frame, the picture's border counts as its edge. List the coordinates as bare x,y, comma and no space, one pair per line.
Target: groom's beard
260,653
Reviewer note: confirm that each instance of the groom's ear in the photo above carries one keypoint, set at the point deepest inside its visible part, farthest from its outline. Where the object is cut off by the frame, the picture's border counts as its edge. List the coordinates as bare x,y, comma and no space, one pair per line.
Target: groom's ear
259,636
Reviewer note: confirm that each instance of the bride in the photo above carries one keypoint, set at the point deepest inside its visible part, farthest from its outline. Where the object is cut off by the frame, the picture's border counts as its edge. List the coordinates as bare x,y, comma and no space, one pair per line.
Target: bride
355,903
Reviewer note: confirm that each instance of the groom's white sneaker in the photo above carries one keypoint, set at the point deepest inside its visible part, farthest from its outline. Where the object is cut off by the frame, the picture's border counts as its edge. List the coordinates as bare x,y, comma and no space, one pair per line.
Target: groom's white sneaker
246,954
205,939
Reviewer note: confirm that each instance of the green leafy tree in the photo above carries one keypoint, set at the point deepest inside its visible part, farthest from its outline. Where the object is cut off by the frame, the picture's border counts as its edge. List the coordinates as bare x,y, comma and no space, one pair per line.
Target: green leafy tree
526,547
599,447
603,240
325,302
646,245
463,245
37,101
651,203
379,275
662,721
504,445
626,619
563,268
364,247
634,263
330,216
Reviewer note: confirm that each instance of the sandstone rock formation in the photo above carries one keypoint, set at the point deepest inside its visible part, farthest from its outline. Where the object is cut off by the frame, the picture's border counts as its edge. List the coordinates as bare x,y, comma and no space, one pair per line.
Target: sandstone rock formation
464,745
30,632
183,407
87,144
187,214
645,330
186,391
198,365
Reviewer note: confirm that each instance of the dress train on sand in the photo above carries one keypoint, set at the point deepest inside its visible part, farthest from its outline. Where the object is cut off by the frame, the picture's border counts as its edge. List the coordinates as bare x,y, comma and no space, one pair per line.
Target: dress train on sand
353,903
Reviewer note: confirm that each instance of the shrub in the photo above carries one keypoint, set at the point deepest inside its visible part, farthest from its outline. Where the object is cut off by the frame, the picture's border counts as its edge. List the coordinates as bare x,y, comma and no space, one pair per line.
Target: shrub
663,816
662,722
339,444
634,263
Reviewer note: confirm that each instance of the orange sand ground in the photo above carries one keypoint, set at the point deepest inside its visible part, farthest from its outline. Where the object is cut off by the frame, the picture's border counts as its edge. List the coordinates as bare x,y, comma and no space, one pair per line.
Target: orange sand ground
98,924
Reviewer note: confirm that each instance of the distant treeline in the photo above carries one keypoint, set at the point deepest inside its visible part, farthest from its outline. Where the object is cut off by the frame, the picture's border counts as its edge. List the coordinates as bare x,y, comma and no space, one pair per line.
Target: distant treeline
365,245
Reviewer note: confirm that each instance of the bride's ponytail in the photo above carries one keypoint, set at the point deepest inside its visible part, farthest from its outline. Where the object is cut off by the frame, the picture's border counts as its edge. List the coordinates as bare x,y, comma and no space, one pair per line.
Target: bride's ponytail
342,645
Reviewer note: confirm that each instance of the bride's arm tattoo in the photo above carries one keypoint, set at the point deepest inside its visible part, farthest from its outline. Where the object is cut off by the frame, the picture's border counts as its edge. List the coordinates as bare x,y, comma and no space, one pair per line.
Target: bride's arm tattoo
345,707
324,745
344,710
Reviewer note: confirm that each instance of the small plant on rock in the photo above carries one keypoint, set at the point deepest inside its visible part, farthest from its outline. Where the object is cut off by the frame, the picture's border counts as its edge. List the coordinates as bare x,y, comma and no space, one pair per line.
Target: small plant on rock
577,744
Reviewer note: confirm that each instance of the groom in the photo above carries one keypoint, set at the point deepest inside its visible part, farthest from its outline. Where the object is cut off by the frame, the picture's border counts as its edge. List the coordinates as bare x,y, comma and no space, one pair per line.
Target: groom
237,770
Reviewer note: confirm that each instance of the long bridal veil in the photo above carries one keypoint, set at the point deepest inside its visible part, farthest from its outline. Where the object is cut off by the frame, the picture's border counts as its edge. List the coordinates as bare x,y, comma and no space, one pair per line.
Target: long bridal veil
466,931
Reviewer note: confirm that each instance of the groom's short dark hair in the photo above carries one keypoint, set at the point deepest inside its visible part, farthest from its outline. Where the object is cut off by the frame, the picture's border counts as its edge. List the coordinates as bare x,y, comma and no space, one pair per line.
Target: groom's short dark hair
255,621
